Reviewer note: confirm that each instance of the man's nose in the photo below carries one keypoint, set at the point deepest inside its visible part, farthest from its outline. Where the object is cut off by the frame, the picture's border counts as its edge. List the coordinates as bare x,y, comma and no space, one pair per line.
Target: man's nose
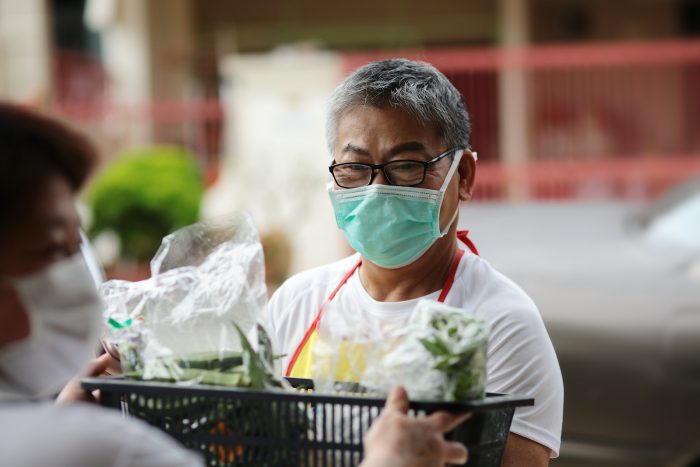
379,178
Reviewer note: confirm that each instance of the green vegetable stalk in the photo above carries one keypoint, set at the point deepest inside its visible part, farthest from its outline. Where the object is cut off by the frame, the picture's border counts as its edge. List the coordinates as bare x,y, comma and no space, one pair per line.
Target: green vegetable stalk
247,368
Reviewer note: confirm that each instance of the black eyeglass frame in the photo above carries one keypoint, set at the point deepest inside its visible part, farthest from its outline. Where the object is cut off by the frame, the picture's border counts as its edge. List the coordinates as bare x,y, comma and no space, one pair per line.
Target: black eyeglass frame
382,167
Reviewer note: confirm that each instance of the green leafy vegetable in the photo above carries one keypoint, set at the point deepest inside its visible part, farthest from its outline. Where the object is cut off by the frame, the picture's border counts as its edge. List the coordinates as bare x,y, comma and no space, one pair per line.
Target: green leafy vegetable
246,368
457,341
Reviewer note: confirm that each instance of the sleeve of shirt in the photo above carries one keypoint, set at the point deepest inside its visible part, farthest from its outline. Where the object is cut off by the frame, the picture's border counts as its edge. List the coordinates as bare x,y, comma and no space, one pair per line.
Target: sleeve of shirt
82,435
145,446
522,361
128,442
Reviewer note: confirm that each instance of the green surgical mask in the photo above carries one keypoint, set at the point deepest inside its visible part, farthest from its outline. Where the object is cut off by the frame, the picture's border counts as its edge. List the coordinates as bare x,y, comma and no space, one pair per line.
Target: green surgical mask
392,226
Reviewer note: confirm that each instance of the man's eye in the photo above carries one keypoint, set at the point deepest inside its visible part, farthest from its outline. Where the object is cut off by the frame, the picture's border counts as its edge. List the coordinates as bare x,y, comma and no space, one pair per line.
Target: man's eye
351,170
405,166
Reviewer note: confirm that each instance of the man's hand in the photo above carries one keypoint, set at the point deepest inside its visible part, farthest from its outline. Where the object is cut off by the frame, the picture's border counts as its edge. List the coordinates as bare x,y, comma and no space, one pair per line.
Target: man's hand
397,440
72,392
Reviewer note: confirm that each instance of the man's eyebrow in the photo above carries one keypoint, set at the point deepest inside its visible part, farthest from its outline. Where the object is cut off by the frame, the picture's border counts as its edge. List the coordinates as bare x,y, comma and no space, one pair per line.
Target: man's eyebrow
407,147
355,149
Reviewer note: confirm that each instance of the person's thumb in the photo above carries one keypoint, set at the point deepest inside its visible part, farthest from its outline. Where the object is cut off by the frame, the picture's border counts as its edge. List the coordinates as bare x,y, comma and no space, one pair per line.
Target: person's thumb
397,400
98,365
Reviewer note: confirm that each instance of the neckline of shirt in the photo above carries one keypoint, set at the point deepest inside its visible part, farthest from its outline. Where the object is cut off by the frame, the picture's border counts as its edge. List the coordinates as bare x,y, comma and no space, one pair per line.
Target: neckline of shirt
393,309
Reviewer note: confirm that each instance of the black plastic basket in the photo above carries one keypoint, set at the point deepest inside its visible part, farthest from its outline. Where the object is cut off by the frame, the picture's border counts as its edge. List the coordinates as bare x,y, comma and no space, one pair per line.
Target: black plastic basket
237,427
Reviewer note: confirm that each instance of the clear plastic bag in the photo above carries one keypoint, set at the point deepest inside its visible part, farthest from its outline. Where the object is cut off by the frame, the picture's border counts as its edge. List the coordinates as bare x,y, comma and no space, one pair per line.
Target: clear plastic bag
208,279
345,343
440,355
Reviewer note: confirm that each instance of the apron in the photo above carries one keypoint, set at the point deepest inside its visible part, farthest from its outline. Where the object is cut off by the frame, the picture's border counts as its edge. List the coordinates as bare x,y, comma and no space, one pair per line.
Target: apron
301,363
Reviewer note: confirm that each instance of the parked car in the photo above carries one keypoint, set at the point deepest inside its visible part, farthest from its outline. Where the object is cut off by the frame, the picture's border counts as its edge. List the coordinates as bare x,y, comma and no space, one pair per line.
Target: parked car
618,286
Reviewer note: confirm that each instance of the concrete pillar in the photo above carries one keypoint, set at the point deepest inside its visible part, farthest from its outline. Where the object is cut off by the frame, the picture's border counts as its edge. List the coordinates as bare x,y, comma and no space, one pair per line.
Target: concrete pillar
146,50
25,58
123,27
513,102
170,41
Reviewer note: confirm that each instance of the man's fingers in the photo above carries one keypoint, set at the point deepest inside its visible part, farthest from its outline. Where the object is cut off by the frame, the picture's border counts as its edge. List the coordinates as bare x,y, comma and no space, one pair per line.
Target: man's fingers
455,453
397,400
445,421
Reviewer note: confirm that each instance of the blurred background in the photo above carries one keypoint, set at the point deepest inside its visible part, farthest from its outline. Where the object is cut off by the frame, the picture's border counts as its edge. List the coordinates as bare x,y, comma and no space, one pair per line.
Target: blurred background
585,116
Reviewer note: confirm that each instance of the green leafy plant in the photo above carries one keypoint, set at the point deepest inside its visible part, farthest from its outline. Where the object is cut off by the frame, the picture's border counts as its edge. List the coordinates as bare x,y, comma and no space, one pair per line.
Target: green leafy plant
247,368
145,195
457,341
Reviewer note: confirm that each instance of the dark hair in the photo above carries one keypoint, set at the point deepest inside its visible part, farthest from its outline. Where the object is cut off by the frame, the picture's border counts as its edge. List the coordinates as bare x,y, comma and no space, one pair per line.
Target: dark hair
34,147
417,88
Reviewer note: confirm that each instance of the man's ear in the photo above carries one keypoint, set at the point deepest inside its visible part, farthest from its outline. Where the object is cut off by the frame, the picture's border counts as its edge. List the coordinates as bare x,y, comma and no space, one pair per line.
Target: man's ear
467,171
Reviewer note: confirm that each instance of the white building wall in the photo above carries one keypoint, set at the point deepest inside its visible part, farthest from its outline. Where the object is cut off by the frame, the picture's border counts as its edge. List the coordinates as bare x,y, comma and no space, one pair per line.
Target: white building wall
275,163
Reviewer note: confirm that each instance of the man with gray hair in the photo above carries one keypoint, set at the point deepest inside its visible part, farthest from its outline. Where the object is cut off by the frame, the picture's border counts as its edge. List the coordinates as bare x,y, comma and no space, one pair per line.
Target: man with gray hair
398,132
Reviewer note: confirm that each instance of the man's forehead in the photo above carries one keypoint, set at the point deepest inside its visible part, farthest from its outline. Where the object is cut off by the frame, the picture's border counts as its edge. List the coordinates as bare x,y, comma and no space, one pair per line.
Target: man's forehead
365,126
409,146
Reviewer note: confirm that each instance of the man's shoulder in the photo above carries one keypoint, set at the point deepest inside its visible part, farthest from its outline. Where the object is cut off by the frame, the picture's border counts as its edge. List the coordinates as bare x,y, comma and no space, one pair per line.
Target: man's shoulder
483,280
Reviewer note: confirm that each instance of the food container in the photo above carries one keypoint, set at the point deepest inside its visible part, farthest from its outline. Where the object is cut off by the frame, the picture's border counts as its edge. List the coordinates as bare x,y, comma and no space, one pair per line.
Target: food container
242,427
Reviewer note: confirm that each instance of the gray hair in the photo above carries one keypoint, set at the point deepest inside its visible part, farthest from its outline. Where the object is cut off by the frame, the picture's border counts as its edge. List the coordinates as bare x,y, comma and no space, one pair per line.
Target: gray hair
417,88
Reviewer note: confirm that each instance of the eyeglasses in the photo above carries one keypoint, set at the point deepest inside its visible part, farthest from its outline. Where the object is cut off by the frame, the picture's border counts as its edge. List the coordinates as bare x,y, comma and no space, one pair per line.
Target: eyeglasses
400,172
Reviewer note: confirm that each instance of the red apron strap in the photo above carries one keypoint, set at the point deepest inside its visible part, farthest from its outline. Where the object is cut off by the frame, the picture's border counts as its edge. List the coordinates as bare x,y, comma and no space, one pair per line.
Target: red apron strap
317,319
463,235
451,278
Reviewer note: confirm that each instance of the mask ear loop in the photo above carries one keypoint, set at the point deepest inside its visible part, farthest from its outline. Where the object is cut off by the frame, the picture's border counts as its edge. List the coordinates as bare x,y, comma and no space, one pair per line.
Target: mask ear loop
453,169
448,179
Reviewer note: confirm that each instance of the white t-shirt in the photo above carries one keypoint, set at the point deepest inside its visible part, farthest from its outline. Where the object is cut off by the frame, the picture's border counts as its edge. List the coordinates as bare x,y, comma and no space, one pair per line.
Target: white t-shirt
521,359
81,435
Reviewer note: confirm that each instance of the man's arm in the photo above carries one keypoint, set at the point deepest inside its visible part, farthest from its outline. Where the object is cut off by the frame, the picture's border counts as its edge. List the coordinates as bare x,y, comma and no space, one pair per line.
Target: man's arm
523,452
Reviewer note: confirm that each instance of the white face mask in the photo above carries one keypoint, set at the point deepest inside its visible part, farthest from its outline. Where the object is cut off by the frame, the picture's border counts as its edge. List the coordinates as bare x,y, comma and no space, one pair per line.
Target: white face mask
65,316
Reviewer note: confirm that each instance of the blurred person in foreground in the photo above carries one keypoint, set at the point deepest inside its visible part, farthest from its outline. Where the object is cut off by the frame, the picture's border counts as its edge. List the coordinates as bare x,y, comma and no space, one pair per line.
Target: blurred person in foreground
50,312
50,323
398,134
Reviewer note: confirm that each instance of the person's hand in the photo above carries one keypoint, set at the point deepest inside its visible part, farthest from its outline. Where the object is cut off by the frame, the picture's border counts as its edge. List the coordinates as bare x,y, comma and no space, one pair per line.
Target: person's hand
115,366
72,392
397,440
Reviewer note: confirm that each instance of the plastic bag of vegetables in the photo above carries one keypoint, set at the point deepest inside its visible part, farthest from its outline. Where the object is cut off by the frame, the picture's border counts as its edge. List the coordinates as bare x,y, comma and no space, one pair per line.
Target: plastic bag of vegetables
189,321
440,355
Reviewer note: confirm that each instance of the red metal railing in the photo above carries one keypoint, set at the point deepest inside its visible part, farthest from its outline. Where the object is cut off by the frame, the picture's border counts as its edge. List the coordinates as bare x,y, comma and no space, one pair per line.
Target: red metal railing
541,56
642,178
604,120
82,95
